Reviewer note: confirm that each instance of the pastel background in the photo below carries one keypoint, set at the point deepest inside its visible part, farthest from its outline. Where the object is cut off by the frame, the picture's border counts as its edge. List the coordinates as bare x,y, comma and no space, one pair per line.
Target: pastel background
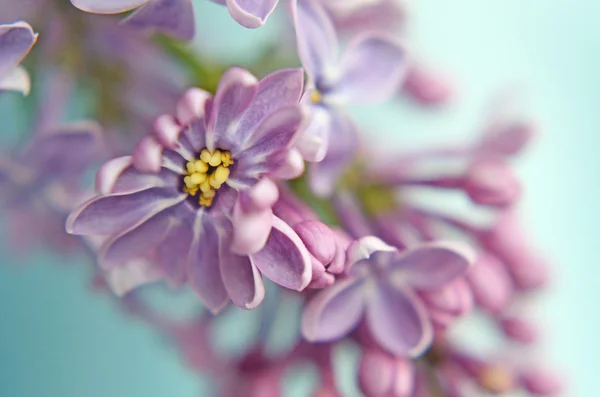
59,340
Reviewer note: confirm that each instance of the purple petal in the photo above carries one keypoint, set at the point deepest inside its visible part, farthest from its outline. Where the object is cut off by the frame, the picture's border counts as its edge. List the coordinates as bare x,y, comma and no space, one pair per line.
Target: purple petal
173,17
172,254
316,39
236,91
259,197
136,242
196,134
340,153
242,280
191,106
371,70
314,141
113,213
272,136
251,13
250,229
167,130
432,265
131,180
292,166
131,276
284,259
108,174
68,149
280,88
398,321
364,248
107,6
334,311
147,155
203,265
16,40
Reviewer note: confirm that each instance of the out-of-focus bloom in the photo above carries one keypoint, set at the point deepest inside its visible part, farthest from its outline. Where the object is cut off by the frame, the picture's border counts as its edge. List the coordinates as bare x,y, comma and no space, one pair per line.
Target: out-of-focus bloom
176,17
427,87
16,39
41,184
453,300
369,71
382,283
196,199
382,375
352,16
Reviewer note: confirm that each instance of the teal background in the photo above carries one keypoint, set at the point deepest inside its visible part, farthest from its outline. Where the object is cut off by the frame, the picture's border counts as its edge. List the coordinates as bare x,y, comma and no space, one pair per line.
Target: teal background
59,340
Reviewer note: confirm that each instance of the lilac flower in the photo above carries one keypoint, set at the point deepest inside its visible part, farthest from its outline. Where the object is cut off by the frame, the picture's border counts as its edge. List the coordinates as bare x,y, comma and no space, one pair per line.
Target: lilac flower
41,184
381,285
16,39
370,70
195,198
176,17
382,375
352,16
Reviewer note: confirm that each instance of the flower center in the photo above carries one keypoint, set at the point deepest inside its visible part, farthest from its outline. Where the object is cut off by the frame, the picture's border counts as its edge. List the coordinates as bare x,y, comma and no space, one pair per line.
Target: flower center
496,380
316,97
207,174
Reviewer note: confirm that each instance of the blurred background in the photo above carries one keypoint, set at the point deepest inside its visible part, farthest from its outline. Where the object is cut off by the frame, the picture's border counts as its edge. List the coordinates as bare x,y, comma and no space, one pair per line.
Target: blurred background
58,339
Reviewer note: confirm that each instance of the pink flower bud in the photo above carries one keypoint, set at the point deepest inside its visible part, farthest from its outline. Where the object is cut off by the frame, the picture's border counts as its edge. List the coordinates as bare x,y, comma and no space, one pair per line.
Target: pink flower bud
507,138
541,383
519,329
383,375
490,283
426,87
490,181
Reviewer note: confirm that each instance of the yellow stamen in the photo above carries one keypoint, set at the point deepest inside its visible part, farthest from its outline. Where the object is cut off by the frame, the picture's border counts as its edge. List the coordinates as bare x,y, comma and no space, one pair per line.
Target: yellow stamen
200,166
205,202
197,178
205,155
221,174
207,174
205,186
215,159
210,194
190,167
226,159
315,97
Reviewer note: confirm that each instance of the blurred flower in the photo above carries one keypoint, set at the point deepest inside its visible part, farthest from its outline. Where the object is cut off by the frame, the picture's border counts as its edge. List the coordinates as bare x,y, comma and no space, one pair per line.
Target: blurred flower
176,17
370,71
382,283
41,184
16,40
353,16
196,197
382,375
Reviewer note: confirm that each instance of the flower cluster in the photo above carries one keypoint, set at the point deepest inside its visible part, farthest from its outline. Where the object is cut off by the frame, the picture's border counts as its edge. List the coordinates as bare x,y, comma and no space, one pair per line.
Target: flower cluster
213,194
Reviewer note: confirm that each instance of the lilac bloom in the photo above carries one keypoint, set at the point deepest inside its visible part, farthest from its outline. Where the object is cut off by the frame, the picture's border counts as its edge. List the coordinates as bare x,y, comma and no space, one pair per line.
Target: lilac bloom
42,183
16,39
369,71
196,197
176,17
382,286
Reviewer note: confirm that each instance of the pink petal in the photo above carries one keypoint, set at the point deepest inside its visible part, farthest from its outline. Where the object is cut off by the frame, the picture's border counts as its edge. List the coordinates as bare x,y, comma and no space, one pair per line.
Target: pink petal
334,312
242,280
431,265
284,258
398,321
